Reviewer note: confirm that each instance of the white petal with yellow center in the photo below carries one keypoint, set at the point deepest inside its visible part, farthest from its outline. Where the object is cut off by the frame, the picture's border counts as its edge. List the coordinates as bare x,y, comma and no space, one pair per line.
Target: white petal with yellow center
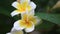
24,6
16,12
21,8
30,16
24,24
17,25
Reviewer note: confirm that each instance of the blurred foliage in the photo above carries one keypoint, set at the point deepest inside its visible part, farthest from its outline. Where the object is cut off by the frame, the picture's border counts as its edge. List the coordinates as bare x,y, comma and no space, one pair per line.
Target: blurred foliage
50,17
6,23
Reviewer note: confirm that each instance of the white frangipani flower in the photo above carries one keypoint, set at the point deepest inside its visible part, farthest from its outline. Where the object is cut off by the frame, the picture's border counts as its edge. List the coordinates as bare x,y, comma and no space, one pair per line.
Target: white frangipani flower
27,22
14,31
22,7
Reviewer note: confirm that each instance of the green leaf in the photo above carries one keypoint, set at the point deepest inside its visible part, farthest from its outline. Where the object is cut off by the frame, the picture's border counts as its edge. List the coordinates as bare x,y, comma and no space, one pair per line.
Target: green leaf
55,18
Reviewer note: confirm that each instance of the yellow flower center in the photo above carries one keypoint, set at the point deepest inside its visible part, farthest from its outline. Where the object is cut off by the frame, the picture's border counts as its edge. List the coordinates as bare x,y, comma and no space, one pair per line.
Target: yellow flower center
23,7
27,21
27,24
29,18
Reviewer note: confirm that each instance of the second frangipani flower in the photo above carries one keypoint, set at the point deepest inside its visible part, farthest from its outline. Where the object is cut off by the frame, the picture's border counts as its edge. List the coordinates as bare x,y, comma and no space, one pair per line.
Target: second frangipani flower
22,7
27,22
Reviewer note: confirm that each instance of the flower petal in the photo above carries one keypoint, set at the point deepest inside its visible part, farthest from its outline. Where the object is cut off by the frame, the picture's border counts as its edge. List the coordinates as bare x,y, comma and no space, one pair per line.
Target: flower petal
14,4
30,29
17,25
15,13
32,12
33,5
14,31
